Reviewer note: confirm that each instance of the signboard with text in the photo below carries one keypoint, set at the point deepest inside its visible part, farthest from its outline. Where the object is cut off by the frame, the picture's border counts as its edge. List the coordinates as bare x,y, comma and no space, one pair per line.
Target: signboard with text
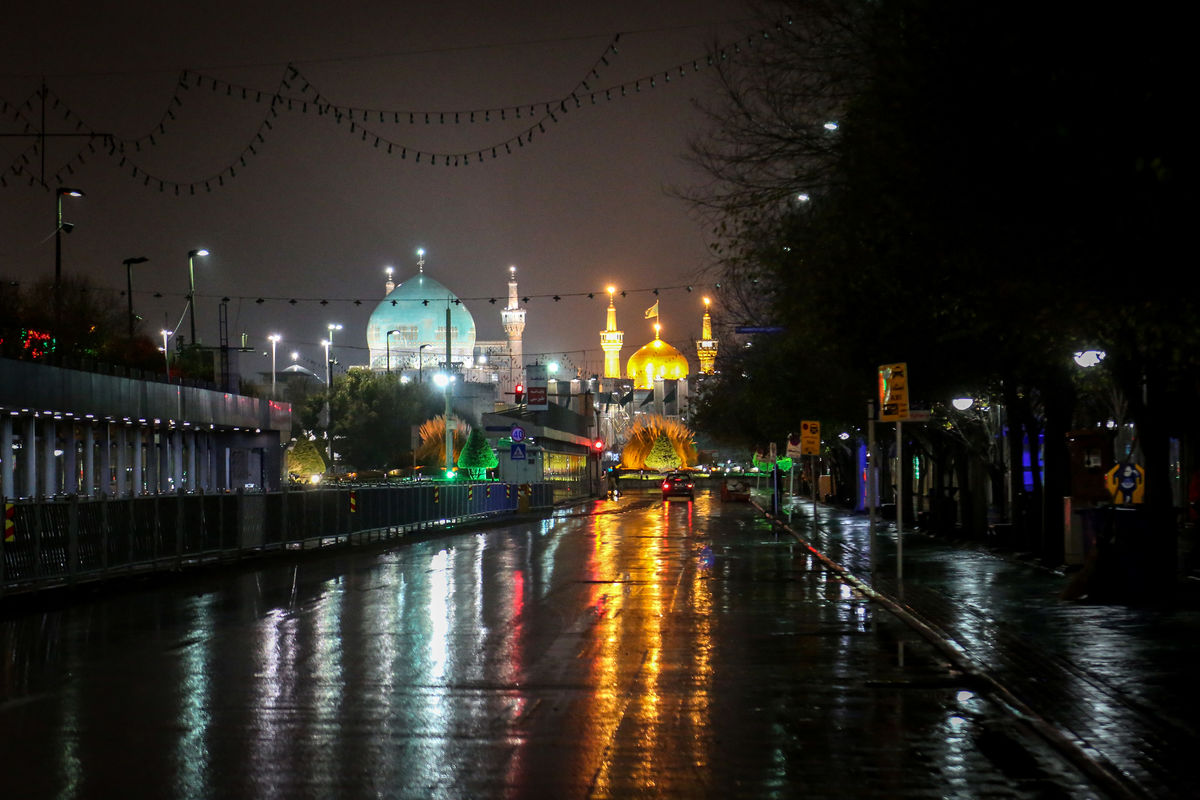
535,387
810,438
893,392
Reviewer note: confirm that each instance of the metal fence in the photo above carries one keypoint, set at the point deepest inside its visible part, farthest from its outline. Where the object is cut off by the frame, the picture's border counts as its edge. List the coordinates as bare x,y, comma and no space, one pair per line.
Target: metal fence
60,542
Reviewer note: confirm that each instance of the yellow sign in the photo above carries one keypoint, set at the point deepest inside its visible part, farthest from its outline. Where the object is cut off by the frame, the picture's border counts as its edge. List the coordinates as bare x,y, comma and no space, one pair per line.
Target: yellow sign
1126,483
810,438
893,392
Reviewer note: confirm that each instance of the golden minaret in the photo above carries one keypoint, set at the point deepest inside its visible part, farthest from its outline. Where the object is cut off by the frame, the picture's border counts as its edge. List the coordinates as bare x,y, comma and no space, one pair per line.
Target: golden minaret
706,347
611,339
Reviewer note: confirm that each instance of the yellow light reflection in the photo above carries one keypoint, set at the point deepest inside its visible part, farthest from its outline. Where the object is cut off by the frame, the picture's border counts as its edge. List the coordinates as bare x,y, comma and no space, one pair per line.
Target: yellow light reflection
640,584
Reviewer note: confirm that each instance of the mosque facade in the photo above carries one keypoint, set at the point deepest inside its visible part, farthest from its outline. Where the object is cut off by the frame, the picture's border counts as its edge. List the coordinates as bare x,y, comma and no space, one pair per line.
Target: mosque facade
656,379
420,325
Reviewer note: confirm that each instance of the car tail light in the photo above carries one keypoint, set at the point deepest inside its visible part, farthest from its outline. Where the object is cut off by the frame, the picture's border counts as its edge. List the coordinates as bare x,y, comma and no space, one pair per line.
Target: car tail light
689,486
667,485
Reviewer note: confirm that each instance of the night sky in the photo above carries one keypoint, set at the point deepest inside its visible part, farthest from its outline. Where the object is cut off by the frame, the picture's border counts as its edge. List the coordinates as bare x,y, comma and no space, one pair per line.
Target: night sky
318,211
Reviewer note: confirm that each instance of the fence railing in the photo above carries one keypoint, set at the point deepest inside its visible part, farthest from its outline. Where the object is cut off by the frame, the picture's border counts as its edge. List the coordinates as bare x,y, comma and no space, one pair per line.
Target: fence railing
58,542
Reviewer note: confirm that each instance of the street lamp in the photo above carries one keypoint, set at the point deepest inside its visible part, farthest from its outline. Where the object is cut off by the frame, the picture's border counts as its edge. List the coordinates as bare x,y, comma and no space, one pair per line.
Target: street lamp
166,334
59,227
274,339
388,348
333,326
420,364
443,380
192,289
129,262
327,343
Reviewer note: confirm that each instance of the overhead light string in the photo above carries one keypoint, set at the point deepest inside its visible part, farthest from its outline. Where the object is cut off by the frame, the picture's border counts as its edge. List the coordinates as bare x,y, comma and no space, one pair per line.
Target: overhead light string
358,120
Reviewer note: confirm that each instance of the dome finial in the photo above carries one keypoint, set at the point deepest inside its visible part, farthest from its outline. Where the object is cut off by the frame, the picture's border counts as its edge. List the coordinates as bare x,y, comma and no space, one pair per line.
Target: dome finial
421,260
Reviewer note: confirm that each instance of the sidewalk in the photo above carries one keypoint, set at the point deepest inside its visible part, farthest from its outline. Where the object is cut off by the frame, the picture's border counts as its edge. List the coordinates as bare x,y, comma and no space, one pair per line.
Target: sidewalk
1114,687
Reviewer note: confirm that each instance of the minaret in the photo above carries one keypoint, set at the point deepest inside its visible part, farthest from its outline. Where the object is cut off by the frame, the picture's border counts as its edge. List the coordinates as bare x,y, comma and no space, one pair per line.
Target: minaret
706,348
610,340
513,319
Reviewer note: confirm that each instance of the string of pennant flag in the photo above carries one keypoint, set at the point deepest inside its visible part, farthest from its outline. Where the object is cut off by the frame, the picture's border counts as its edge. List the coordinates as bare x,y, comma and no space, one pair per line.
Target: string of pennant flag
427,301
296,93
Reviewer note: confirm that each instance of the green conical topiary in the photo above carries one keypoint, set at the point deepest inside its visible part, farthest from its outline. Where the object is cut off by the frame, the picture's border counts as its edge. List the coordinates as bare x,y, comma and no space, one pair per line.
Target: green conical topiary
305,459
662,455
477,456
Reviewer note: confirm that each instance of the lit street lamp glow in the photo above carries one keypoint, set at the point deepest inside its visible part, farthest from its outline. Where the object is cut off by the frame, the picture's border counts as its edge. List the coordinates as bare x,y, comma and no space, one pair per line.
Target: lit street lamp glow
166,334
274,339
192,289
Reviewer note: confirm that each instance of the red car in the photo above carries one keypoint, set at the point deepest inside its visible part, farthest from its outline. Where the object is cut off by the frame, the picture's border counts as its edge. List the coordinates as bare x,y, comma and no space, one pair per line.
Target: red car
678,484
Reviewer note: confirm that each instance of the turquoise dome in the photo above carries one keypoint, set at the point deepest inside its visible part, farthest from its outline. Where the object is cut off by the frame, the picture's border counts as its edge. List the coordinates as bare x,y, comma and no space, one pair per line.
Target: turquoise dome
417,309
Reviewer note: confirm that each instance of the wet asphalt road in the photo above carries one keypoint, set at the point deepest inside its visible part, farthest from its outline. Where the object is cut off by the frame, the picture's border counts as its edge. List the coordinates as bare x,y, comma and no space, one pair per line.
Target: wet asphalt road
621,649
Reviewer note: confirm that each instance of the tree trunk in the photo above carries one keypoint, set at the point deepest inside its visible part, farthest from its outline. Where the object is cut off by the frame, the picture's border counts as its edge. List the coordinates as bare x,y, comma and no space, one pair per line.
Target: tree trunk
1059,404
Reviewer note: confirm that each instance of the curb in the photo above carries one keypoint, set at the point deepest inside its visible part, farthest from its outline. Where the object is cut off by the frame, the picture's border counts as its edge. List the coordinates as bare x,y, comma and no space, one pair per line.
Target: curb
1094,766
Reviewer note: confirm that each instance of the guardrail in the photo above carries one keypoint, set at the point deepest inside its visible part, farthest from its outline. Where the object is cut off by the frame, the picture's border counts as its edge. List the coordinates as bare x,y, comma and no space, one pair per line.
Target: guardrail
61,542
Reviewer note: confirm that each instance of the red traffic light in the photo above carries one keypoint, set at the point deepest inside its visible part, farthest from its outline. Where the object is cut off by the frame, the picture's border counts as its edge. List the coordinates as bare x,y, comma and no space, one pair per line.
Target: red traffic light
598,445
519,392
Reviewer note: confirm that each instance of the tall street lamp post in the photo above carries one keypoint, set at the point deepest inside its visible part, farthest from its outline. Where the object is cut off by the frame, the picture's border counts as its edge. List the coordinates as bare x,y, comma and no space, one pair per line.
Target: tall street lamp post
331,327
329,439
274,339
388,349
59,227
166,334
129,262
192,289
449,433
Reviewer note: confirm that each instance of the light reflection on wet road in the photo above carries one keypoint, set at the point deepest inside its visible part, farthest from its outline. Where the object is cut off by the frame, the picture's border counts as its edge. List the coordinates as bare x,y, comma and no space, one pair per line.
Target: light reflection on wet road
628,649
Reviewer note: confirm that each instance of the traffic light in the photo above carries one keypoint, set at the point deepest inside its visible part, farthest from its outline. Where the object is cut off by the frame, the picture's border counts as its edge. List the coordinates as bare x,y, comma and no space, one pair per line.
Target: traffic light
519,393
598,446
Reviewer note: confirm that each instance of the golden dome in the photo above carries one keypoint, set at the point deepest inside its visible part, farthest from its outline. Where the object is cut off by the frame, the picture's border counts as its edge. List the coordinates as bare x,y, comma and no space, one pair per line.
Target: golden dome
656,360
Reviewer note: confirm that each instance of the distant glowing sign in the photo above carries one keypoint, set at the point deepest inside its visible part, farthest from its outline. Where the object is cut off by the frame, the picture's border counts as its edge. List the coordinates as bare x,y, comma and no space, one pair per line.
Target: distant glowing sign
893,392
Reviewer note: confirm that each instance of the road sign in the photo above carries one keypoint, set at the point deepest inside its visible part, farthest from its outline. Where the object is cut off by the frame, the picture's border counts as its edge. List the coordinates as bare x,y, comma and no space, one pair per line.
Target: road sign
518,433
535,387
893,392
517,453
758,329
810,438
793,446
